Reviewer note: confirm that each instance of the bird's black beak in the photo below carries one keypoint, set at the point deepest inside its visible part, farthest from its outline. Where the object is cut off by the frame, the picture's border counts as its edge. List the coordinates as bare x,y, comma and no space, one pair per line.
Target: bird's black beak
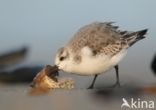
52,70
56,69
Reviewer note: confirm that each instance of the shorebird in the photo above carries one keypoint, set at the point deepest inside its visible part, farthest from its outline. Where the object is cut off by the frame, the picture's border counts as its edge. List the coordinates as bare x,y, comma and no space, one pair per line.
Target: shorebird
95,49
13,57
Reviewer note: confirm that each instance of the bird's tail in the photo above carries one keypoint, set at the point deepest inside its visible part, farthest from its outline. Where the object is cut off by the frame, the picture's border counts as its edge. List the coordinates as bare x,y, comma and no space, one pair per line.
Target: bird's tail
133,37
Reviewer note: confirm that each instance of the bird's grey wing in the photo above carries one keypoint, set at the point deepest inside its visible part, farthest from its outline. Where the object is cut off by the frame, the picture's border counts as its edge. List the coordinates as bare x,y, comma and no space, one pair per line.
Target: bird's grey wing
99,37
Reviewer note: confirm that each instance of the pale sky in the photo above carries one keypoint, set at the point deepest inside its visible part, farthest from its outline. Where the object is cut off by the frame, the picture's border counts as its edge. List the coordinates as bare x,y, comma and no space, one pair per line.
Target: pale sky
45,25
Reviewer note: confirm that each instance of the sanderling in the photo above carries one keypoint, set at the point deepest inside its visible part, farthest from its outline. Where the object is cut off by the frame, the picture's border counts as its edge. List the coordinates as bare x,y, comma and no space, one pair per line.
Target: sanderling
95,49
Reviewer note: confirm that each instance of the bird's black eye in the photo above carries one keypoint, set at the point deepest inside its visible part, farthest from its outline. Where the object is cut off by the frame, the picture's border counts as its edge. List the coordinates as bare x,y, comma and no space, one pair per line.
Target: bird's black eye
62,58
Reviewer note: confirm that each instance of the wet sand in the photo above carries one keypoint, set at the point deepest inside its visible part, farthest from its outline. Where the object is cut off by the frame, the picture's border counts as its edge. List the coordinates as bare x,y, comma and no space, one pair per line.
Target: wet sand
17,97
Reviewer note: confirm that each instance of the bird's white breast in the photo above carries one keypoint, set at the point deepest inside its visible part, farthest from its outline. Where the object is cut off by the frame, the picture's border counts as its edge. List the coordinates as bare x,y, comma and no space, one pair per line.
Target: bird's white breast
91,65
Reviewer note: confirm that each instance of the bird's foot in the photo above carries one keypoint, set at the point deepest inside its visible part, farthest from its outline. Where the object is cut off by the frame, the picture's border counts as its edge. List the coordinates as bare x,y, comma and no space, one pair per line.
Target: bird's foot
91,87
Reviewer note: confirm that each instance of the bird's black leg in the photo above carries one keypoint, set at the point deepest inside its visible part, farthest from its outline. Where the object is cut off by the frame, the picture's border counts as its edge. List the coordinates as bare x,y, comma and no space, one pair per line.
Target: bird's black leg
117,76
92,85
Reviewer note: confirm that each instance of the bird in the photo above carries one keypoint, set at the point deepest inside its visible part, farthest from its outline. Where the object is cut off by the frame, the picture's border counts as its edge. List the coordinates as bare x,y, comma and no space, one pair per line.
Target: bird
96,48
153,65
13,57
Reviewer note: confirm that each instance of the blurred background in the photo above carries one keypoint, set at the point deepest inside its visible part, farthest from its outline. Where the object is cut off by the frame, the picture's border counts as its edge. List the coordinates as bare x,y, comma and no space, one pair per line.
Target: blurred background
31,31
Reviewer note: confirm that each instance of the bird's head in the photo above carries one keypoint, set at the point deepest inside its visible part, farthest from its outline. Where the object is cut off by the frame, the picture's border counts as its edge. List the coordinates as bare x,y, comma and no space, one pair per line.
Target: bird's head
62,59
